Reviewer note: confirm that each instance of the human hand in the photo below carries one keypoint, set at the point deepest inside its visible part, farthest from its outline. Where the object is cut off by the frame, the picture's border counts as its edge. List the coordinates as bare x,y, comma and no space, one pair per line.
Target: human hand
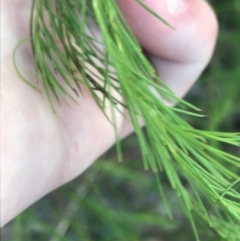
41,151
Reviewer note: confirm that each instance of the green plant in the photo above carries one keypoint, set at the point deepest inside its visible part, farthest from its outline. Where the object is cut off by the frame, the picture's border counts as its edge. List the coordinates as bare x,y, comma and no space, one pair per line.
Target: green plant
171,145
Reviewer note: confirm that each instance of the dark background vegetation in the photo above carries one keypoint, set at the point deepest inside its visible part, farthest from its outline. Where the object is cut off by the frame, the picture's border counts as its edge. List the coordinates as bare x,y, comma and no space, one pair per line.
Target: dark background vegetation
115,201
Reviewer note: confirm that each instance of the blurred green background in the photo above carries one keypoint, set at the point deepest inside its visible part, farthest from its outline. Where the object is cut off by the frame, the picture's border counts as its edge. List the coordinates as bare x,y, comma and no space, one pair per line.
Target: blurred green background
115,201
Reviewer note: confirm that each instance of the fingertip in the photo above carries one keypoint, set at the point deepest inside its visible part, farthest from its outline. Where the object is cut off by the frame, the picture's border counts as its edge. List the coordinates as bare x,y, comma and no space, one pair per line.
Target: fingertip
195,28
180,54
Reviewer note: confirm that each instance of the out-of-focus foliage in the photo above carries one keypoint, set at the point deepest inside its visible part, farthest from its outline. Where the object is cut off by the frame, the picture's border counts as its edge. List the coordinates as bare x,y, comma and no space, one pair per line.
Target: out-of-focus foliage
118,201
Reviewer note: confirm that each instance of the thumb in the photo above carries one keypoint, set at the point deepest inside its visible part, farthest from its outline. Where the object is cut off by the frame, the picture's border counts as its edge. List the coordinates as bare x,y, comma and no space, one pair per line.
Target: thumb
180,53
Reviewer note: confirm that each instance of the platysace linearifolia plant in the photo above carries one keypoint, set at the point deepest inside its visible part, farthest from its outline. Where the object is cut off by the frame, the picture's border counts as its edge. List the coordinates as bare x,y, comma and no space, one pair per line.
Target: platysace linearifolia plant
170,144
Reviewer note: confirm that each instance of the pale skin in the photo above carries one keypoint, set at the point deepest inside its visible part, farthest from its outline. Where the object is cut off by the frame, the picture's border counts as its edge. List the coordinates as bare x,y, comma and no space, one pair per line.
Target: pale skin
41,151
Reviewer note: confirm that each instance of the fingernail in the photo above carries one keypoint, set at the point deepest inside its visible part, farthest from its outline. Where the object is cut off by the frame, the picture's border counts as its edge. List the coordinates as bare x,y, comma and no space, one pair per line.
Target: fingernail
173,5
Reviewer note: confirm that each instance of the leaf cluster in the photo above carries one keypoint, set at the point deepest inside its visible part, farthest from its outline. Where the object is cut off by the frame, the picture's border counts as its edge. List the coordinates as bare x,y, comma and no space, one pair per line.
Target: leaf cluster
170,144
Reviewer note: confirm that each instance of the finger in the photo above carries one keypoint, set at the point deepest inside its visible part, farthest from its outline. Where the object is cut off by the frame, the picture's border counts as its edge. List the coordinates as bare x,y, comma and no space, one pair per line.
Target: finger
179,54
